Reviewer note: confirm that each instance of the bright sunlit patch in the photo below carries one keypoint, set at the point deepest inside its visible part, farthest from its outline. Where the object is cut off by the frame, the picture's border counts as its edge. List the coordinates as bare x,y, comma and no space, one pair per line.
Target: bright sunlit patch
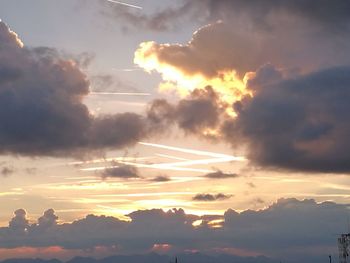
226,84
197,223
11,193
216,223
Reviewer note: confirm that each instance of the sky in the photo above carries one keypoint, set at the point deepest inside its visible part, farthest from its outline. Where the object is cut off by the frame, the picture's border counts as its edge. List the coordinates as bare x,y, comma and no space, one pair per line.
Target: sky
214,126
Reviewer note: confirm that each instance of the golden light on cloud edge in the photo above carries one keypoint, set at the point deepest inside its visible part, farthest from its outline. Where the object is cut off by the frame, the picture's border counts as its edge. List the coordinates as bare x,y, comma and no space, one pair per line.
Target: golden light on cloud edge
226,83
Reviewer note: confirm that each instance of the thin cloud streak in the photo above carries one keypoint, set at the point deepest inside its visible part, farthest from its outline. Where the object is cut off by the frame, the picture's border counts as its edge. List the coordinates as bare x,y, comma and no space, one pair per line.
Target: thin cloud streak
141,165
177,166
124,4
171,157
121,93
195,152
115,159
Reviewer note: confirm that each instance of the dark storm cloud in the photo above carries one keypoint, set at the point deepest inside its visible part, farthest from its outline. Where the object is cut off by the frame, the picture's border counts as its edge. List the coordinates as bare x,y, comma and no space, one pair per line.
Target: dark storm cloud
122,171
221,175
238,46
300,123
41,109
333,14
211,197
243,35
279,230
328,15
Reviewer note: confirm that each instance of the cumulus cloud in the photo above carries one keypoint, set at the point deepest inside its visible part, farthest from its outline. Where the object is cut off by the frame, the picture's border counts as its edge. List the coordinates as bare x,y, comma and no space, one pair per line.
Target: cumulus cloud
297,123
278,230
19,224
41,108
287,118
211,197
225,45
48,219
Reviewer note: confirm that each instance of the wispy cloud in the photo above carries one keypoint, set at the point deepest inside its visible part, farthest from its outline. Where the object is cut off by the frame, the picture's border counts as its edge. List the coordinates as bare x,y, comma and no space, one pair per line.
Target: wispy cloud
122,93
211,197
182,165
124,4
220,175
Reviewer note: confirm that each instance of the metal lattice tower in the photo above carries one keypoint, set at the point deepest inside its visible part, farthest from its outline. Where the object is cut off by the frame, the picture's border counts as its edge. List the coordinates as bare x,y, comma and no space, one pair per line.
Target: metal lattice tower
344,248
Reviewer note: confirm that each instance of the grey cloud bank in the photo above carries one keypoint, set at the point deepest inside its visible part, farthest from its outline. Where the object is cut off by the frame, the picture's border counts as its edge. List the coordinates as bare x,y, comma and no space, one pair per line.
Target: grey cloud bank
299,123
278,231
41,109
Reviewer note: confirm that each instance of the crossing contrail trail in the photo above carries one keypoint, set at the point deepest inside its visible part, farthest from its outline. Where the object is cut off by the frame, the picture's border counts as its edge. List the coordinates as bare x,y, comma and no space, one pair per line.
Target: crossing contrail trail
121,93
125,4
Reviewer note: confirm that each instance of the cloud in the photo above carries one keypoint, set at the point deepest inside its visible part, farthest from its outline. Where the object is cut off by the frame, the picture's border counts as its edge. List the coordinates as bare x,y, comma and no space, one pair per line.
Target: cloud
200,112
6,171
19,224
161,178
221,175
322,15
291,121
251,185
41,108
225,46
49,219
278,230
155,257
162,20
121,171
109,83
330,16
297,123
211,197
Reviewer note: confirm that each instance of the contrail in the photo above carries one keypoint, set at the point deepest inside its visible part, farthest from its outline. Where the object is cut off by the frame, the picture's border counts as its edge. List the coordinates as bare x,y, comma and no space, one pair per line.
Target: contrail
122,93
125,4
195,152
181,165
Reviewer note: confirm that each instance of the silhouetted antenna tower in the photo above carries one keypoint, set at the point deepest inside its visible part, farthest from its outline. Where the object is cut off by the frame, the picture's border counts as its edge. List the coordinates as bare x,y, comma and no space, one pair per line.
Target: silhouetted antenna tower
344,248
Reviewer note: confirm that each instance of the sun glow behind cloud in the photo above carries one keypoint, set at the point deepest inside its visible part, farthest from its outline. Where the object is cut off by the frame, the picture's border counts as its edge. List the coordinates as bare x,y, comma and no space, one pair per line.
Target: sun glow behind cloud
227,84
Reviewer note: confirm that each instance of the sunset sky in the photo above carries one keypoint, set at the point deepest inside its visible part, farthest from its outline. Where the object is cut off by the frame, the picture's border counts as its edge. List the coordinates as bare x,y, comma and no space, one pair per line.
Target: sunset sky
229,115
